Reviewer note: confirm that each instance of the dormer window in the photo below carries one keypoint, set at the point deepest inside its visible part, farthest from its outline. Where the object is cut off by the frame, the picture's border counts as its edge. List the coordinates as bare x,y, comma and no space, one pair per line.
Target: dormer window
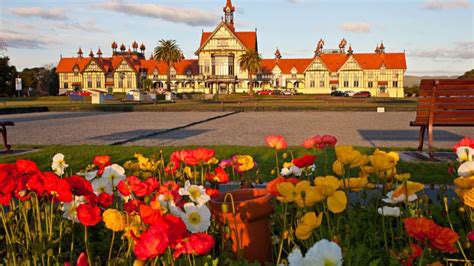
76,71
155,74
293,73
189,73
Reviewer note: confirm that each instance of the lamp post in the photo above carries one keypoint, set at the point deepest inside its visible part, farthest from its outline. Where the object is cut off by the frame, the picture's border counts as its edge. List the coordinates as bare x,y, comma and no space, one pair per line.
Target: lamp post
122,76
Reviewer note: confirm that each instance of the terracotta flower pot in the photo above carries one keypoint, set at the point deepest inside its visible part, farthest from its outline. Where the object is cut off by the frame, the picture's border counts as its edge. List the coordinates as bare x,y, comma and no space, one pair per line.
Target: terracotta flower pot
250,226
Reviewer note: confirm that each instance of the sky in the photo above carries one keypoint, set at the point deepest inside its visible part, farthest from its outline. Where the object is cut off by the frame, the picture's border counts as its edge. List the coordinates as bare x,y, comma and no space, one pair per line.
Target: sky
436,35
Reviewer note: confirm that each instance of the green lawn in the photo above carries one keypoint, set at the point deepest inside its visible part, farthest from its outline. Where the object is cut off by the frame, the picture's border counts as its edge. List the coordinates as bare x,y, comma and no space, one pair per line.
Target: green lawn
80,156
221,102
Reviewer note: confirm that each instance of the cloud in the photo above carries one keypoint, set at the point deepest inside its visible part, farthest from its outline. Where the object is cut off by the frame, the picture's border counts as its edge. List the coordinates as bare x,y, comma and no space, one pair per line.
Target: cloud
295,1
446,4
358,27
78,26
15,39
52,14
188,16
460,50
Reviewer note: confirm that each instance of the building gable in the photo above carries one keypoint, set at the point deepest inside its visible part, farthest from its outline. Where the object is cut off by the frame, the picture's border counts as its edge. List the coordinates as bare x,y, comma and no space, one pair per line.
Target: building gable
125,66
350,65
222,38
93,67
316,65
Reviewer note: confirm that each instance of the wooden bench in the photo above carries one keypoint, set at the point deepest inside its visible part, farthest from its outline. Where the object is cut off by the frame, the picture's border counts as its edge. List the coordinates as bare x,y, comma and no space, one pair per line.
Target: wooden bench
443,103
3,130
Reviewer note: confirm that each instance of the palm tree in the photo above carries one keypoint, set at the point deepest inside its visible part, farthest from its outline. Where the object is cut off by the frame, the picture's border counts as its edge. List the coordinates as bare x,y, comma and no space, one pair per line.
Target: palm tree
169,52
251,61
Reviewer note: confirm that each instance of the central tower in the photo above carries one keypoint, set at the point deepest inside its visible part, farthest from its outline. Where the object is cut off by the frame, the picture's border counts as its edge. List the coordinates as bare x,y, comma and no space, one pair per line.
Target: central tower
229,14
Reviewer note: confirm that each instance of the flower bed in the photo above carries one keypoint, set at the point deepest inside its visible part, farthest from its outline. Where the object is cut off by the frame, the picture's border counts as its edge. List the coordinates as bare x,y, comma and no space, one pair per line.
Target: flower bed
171,211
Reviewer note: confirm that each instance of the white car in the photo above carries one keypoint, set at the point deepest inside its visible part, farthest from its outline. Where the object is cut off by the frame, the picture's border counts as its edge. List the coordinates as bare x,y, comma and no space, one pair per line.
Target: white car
351,93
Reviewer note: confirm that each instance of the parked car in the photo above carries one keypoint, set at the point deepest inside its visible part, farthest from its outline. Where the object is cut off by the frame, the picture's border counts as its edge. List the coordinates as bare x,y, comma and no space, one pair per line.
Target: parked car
277,92
339,94
362,94
289,92
265,92
350,93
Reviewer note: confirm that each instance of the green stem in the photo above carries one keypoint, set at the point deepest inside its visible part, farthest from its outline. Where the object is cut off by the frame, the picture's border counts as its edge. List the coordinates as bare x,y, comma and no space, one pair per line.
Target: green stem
111,246
282,234
86,240
277,163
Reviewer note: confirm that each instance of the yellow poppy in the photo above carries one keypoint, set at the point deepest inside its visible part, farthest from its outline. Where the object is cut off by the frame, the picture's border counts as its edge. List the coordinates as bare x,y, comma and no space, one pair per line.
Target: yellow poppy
382,162
287,192
355,184
327,187
464,182
245,162
307,224
394,155
409,188
347,155
306,195
338,167
287,165
213,160
403,177
468,197
114,220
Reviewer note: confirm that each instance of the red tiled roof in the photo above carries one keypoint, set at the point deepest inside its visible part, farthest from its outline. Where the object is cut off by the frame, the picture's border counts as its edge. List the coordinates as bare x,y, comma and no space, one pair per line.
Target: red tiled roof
375,60
333,61
182,66
286,65
248,38
67,64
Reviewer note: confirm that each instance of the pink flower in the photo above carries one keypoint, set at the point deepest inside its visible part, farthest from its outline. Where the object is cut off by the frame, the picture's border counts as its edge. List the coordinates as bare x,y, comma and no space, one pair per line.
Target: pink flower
276,142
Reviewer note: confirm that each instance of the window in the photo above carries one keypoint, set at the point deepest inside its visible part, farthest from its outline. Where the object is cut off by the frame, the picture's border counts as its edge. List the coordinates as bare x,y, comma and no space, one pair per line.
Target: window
120,83
231,65
89,81
383,89
321,84
189,74
356,83
76,71
346,83
65,76
293,75
155,74
370,84
98,85
312,83
66,85
129,83
395,84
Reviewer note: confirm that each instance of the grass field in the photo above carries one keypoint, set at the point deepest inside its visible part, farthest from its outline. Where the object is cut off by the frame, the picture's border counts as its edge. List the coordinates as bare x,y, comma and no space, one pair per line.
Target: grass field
81,155
220,103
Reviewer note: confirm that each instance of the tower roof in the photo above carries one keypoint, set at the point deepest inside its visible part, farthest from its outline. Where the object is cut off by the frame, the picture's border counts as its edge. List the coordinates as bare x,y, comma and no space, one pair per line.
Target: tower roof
114,45
142,47
229,7
135,45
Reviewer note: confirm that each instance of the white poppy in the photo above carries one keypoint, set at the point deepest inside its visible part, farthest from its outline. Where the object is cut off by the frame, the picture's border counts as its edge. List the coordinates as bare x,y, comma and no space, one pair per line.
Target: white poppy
88,175
196,193
70,208
465,153
293,170
389,211
115,173
322,253
59,164
466,169
167,201
197,218
102,185
390,199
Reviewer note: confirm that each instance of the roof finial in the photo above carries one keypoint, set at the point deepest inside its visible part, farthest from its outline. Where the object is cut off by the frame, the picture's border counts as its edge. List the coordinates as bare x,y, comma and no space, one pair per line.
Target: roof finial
382,47
350,51
277,54
79,52
91,54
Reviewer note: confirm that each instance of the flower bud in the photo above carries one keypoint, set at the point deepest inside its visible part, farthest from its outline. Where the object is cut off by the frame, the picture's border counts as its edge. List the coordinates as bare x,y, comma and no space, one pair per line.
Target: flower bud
285,155
50,252
138,262
273,172
461,209
27,205
224,208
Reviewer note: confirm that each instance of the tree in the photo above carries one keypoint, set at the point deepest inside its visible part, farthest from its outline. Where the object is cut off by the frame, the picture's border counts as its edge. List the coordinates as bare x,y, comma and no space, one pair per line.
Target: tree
7,77
468,75
146,83
170,53
251,61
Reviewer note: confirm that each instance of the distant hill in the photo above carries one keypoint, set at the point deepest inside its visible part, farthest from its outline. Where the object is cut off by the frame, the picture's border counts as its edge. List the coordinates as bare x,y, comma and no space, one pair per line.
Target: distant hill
415,80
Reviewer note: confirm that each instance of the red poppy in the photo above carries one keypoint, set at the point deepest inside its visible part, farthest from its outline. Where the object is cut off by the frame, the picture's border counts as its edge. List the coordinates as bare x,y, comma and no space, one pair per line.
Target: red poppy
423,229
132,206
470,236
328,140
304,161
123,188
199,155
272,185
27,167
420,228
151,243
445,240
415,252
180,156
177,228
219,176
196,244
57,187
36,184
276,142
212,192
142,189
105,199
464,142
310,142
172,167
101,161
88,215
82,260
79,185
168,187
149,214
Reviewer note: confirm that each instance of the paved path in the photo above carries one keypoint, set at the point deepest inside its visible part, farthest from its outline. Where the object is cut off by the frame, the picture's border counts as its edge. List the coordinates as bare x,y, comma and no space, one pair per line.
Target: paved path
146,128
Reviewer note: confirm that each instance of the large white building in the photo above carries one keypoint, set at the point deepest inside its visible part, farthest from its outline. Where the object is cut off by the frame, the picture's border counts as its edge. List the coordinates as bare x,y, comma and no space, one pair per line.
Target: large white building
217,70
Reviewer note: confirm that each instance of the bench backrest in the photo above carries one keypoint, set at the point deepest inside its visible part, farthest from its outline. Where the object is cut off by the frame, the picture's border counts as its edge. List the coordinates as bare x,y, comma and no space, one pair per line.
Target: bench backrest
73,97
446,101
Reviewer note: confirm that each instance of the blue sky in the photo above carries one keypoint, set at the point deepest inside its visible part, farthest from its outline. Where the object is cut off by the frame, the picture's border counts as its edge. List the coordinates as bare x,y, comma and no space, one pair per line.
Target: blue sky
437,35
